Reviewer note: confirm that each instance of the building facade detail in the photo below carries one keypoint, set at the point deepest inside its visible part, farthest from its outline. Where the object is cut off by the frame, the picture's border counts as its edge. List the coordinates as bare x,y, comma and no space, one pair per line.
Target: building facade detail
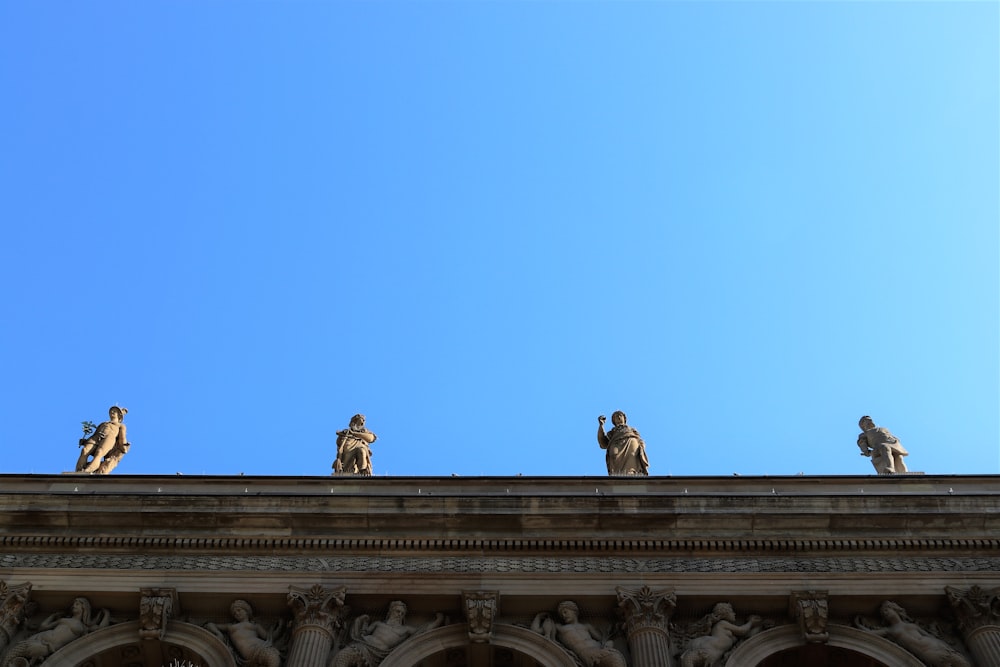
318,618
14,605
481,610
646,615
978,612
155,609
812,611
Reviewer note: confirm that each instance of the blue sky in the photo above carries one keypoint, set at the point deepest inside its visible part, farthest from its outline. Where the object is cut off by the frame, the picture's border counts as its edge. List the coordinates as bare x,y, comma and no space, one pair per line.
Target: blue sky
483,224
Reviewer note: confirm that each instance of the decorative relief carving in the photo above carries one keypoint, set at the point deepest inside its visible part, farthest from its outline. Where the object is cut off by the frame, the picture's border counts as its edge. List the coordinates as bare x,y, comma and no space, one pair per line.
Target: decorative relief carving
645,608
812,610
250,642
625,449
976,607
707,642
591,647
318,606
481,608
930,643
155,608
14,606
372,642
55,632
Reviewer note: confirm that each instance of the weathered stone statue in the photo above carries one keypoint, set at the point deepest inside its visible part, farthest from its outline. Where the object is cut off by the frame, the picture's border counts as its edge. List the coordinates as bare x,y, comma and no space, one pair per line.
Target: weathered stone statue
56,631
581,639
626,452
102,451
900,628
250,640
354,456
372,642
882,446
707,650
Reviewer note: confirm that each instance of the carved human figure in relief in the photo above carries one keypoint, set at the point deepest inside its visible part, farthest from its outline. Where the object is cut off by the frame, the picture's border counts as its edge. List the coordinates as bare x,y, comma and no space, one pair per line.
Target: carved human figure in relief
707,650
354,456
900,628
102,451
372,642
56,631
582,639
250,639
626,452
882,446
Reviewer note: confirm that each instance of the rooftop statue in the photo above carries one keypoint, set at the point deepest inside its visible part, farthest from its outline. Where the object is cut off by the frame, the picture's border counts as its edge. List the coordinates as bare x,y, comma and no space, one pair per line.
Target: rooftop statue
249,639
354,456
882,446
101,452
900,628
56,631
626,452
581,639
372,642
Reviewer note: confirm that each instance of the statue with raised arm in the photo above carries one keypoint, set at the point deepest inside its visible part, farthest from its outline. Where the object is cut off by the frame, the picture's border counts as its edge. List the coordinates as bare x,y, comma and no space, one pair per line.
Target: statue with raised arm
626,452
581,639
101,452
249,639
56,631
354,456
708,650
372,642
882,446
900,628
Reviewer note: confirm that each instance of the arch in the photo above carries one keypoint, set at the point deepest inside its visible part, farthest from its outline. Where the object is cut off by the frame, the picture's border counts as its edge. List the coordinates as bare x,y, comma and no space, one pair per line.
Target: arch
196,639
775,640
522,640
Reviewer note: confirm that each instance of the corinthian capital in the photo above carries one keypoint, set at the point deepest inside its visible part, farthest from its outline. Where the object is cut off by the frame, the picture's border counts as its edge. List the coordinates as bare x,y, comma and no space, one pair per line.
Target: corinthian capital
318,606
975,607
645,608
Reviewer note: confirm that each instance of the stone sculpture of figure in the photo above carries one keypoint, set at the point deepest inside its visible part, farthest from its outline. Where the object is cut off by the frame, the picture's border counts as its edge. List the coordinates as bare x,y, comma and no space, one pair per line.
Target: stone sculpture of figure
900,628
250,639
882,446
354,456
626,452
56,631
707,650
102,451
581,639
372,642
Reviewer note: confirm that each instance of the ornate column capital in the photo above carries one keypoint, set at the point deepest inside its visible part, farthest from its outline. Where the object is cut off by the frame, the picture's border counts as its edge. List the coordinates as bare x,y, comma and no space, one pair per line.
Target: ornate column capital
976,607
156,606
812,610
645,609
481,608
14,601
318,606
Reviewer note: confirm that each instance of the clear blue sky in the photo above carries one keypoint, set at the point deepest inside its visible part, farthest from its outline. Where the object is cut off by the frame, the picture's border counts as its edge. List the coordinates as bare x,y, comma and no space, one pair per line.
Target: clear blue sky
483,224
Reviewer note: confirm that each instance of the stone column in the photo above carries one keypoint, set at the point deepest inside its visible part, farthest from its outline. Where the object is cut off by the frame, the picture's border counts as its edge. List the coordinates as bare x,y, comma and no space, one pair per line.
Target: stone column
318,617
13,600
647,615
978,613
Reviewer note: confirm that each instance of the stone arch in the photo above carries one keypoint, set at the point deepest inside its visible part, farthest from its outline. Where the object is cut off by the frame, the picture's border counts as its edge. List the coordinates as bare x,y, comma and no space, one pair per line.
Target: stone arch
775,640
522,640
197,640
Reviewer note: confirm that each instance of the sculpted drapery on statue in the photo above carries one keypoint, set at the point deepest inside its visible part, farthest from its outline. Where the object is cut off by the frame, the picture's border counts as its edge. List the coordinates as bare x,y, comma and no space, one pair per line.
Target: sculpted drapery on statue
882,446
372,642
56,631
354,456
247,638
101,452
582,639
900,628
626,452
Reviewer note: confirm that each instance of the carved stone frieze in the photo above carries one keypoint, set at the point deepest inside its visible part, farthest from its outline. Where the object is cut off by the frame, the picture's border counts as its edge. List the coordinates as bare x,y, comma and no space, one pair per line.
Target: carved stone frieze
481,609
156,606
812,610
371,642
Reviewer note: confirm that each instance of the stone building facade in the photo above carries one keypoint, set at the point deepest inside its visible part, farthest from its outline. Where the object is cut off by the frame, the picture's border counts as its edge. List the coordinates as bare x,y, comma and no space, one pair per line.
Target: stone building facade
144,571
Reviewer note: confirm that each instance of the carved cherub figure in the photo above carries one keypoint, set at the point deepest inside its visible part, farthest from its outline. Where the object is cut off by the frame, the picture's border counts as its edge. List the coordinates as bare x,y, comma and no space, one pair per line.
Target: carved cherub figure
581,639
900,628
102,451
372,642
354,456
250,639
707,650
56,631
882,446
626,451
